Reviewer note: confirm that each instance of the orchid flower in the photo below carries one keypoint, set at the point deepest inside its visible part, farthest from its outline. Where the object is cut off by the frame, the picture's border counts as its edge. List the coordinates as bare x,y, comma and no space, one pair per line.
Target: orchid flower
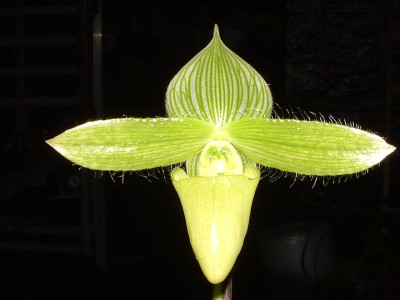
219,127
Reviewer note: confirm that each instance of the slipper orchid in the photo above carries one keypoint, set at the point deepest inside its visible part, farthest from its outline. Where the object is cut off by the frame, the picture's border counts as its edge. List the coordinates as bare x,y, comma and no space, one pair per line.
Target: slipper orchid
219,125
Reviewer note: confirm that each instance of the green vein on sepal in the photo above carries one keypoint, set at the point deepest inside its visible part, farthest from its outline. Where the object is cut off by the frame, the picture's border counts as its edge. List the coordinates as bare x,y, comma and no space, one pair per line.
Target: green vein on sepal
219,87
133,144
192,165
307,147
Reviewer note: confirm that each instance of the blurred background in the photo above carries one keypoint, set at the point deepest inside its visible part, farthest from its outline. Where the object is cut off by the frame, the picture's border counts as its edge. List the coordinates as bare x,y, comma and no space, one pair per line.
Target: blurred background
72,233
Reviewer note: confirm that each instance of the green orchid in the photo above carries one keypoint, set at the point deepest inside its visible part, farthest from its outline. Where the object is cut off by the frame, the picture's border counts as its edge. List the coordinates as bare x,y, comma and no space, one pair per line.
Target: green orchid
219,125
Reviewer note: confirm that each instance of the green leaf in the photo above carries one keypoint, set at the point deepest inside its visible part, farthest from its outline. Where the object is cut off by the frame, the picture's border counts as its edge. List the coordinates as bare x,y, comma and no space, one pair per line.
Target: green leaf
219,87
307,147
133,144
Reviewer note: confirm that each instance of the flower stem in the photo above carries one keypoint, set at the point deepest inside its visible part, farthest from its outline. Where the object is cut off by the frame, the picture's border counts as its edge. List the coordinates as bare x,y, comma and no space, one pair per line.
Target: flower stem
217,293
223,294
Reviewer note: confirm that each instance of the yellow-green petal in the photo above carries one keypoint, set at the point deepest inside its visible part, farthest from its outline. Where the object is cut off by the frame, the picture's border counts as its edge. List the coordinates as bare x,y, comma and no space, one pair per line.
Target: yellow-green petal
217,211
218,86
133,144
307,147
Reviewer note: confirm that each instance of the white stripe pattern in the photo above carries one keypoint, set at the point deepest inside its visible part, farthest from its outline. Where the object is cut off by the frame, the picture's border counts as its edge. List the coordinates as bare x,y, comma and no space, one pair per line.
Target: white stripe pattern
219,87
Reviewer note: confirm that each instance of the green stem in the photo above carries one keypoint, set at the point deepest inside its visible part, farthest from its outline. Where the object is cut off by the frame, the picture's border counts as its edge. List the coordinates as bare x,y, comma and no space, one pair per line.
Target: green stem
217,294
221,292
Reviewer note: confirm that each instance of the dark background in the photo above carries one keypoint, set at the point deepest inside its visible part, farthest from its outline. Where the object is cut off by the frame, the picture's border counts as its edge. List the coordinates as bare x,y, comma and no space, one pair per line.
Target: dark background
69,233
